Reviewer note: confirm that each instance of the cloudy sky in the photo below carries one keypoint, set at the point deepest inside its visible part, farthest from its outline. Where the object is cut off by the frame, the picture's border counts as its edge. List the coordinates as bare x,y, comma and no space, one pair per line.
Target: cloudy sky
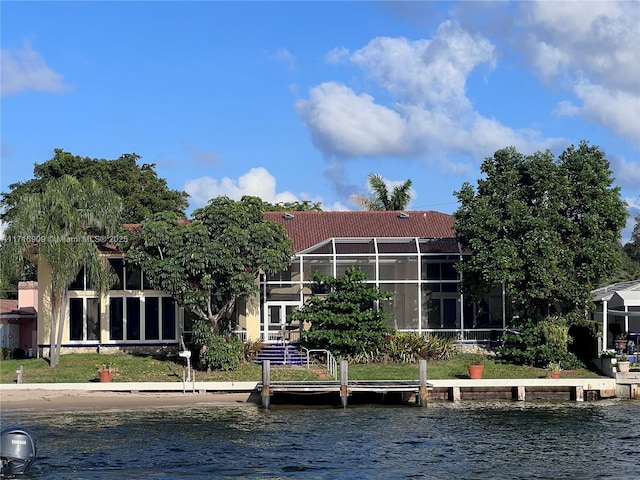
302,100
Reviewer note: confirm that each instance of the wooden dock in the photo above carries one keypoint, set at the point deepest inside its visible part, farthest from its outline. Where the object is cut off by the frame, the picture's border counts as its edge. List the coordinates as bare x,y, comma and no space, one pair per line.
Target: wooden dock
420,391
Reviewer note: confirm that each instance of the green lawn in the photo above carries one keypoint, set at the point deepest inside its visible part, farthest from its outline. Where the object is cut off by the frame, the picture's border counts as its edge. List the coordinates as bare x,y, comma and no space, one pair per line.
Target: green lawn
79,368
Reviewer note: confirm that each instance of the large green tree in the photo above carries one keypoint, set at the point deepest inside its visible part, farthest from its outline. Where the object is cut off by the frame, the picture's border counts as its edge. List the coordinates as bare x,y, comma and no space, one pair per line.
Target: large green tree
61,227
548,228
140,188
210,262
344,319
303,206
632,247
383,199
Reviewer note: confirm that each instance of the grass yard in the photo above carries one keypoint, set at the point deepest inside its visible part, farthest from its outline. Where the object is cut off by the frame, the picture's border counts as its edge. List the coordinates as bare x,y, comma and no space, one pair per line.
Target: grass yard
79,368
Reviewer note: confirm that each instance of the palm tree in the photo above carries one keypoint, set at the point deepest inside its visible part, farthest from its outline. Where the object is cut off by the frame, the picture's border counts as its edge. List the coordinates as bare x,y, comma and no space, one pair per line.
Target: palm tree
58,228
398,199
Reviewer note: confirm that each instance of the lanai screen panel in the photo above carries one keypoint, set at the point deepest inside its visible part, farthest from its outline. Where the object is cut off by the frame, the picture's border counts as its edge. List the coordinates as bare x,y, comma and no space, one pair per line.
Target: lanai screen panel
403,307
398,268
312,263
365,263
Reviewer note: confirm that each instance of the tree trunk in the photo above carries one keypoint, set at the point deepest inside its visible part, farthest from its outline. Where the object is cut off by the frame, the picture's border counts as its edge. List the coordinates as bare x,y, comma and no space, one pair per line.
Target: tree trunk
61,316
53,328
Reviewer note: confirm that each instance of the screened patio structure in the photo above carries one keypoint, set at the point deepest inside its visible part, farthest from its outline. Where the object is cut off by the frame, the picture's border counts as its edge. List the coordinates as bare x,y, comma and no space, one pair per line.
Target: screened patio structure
618,311
420,271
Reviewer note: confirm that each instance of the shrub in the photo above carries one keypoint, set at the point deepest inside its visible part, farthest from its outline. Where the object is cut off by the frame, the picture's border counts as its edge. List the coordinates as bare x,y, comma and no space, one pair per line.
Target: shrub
538,344
222,354
216,352
250,349
409,347
11,353
344,319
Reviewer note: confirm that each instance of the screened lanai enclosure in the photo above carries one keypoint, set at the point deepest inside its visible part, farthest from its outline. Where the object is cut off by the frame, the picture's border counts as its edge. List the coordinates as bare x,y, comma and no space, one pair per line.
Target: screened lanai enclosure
421,272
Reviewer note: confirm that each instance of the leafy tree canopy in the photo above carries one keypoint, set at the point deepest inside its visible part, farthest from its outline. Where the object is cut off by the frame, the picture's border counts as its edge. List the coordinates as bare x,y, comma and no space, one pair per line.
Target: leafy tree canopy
208,263
632,248
143,193
382,199
548,228
59,226
303,206
345,319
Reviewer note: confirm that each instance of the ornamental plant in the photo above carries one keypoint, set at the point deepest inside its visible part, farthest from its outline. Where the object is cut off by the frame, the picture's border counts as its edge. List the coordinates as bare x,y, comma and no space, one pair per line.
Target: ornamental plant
344,319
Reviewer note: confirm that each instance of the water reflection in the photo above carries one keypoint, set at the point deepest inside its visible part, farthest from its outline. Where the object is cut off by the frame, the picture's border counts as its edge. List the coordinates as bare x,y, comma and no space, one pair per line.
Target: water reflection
467,440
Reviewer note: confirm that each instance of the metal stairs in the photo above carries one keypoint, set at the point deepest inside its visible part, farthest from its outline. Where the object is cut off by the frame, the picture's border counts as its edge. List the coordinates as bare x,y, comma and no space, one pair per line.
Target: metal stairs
281,354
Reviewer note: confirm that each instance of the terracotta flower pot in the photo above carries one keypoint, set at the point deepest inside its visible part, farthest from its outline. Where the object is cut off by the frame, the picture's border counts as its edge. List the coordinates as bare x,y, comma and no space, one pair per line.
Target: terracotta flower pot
105,375
475,371
555,374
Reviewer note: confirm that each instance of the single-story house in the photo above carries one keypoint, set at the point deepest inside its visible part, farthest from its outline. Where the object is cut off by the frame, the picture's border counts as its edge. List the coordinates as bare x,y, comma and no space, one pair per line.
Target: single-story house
18,319
413,254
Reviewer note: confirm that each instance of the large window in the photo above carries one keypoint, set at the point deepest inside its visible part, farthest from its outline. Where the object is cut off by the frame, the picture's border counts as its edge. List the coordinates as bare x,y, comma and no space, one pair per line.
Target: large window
116,318
133,318
118,266
142,318
84,319
168,318
129,277
151,315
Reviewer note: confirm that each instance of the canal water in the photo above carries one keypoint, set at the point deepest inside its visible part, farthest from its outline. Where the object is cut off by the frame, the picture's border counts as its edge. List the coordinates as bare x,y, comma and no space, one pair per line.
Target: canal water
466,440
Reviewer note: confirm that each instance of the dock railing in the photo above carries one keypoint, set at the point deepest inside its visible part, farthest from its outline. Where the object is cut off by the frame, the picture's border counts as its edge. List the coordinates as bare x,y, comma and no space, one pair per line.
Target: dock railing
331,363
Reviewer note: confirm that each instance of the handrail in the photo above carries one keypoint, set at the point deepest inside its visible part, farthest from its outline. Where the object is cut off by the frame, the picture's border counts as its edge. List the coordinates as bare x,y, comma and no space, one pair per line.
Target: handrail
332,364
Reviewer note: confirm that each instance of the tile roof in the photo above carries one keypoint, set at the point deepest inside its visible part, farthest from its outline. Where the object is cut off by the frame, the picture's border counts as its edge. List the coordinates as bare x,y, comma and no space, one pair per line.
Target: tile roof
8,306
311,228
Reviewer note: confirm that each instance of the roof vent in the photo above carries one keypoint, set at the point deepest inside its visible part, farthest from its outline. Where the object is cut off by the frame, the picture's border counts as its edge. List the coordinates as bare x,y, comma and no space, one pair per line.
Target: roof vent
288,216
403,215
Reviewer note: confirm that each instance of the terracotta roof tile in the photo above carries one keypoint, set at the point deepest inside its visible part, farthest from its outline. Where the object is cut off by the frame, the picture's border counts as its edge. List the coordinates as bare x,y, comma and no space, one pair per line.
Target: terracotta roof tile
8,306
311,228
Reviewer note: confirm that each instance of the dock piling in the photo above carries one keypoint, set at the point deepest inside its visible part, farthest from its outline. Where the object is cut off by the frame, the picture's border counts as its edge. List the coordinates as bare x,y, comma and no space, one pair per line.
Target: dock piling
422,392
266,382
344,382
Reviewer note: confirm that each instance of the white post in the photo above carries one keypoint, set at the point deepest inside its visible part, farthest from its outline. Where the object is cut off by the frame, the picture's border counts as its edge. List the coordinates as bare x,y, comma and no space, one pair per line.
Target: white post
605,325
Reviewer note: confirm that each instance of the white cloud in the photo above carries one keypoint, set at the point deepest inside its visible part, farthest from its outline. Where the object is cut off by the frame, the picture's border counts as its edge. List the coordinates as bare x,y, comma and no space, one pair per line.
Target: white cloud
24,70
344,124
618,110
431,115
427,71
627,173
336,56
592,48
256,182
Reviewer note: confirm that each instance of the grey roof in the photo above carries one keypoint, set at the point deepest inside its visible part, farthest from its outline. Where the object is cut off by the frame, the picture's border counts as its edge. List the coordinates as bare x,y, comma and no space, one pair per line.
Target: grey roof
605,293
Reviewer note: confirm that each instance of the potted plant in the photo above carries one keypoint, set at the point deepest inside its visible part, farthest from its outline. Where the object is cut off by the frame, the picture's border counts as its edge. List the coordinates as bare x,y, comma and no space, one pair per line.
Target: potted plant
554,369
105,371
624,365
476,366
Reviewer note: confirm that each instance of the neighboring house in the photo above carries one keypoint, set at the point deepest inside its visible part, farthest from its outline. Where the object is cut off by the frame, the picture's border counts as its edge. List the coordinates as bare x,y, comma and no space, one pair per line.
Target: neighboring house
413,254
617,310
18,319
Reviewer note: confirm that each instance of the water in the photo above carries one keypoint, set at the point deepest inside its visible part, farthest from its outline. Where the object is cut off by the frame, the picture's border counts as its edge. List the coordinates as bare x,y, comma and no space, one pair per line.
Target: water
467,440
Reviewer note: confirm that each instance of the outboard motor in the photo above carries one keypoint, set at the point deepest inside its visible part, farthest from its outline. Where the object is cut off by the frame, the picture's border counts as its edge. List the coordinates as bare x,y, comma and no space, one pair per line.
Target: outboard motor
17,451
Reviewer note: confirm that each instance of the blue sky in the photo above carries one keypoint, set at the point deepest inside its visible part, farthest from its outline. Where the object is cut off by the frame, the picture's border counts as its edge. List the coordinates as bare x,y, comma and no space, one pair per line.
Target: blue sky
302,100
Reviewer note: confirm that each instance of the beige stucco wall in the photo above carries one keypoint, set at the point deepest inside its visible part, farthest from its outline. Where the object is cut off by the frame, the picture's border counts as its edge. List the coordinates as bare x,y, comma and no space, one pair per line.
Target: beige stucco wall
253,318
